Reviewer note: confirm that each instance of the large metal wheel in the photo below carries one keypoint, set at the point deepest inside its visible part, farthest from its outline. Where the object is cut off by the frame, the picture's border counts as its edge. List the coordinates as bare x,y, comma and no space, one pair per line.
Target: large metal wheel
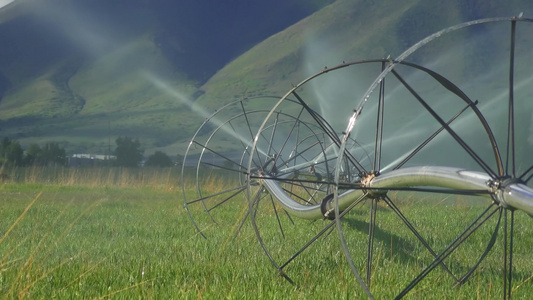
217,160
213,168
410,116
463,135
304,152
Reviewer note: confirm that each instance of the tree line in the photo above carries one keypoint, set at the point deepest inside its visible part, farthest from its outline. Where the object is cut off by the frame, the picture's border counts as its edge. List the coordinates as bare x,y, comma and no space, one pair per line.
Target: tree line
12,154
128,153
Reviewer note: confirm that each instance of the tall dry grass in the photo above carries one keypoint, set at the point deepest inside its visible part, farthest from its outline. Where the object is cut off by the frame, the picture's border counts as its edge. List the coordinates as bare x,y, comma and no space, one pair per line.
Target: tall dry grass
160,178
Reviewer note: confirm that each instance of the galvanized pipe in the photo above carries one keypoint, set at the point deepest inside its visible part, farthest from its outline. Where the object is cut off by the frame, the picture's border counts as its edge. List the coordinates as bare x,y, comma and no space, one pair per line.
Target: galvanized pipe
514,195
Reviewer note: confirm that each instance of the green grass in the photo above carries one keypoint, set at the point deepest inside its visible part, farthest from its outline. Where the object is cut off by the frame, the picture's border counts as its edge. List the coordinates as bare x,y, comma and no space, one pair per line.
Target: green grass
66,234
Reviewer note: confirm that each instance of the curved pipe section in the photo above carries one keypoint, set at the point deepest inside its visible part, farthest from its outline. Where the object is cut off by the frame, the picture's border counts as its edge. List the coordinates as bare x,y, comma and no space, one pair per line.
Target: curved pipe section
515,195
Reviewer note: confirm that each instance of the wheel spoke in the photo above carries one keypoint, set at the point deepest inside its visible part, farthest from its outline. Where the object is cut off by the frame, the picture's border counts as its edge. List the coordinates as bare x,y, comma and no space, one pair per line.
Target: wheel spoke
370,251
510,119
413,230
332,135
309,243
226,199
277,216
271,142
219,155
289,135
254,202
238,188
240,171
450,249
491,243
508,254
318,235
245,147
283,172
305,201
379,125
525,173
463,144
250,130
241,223
430,138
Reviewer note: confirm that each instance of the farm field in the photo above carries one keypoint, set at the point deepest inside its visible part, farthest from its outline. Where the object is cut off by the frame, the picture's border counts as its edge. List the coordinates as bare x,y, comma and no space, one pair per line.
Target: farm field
123,234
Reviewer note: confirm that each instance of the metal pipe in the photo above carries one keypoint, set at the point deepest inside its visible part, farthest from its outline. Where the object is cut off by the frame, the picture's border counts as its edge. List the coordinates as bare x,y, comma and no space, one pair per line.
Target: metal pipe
518,196
515,194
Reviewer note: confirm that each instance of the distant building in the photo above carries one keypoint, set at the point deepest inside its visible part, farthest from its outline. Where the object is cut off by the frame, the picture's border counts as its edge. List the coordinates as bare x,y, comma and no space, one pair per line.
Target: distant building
82,159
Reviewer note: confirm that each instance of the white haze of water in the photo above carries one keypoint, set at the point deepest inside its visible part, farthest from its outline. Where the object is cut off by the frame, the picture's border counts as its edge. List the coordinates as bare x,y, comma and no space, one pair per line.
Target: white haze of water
197,109
469,64
5,2
86,30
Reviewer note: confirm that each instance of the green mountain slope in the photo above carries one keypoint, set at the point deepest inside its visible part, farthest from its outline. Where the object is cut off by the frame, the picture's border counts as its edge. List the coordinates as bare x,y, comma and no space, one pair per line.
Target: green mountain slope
83,73
83,104
343,31
89,91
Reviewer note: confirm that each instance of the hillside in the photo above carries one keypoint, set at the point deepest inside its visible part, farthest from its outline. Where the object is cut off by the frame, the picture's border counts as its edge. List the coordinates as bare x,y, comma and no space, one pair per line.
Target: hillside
343,31
84,74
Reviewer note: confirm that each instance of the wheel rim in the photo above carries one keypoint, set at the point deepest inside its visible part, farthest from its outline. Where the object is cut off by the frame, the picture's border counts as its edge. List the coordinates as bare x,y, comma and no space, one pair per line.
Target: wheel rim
218,172
505,168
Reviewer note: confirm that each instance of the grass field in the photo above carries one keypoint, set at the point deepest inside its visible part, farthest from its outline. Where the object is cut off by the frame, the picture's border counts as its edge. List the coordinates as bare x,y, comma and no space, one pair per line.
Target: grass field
123,234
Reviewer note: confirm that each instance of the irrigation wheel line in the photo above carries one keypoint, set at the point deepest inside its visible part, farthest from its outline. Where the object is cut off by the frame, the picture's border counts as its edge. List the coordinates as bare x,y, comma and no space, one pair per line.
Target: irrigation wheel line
449,181
414,133
500,181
